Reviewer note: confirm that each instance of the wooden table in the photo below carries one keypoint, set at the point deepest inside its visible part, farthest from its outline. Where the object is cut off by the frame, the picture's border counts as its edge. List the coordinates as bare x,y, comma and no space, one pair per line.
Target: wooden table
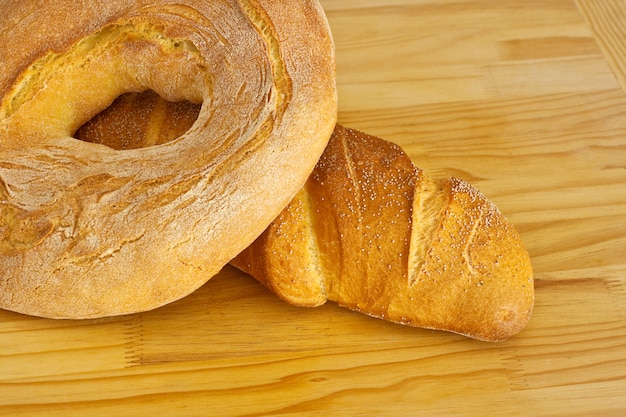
524,99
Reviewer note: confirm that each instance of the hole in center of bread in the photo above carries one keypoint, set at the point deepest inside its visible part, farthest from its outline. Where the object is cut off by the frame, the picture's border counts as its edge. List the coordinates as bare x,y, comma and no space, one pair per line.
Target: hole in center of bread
62,91
139,120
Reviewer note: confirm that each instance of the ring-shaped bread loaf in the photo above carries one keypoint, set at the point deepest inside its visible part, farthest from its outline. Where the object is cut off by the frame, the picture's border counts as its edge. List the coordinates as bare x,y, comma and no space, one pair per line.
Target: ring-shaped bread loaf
90,231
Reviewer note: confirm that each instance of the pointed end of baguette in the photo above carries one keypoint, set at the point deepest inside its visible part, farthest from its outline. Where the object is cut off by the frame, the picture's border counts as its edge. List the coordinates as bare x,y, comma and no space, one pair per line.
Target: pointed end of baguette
502,290
470,271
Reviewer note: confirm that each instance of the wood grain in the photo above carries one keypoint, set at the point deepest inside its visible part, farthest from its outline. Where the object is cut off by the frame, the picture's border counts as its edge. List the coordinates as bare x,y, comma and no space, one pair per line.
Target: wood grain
526,100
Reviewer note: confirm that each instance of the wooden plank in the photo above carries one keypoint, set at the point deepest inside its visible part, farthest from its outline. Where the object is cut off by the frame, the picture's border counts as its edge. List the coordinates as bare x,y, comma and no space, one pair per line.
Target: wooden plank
526,100
607,19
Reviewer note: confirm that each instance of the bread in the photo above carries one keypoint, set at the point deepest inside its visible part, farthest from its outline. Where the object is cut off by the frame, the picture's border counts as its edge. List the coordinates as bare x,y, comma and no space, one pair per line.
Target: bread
111,224
376,235
87,230
373,233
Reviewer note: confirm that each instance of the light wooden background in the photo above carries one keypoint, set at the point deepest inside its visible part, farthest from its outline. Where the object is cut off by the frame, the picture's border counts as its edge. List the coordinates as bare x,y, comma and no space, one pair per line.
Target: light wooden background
525,99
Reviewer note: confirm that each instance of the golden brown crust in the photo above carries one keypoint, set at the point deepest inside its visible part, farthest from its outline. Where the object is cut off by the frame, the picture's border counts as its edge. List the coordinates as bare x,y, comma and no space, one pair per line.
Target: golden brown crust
368,231
86,230
376,235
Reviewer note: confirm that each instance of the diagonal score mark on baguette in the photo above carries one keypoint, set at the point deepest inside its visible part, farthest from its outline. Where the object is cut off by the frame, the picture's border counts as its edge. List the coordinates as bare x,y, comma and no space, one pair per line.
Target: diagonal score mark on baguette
466,251
428,203
353,206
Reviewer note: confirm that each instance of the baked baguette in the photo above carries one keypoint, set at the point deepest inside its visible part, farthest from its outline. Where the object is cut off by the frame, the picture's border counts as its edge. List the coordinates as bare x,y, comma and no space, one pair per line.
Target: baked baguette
373,233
